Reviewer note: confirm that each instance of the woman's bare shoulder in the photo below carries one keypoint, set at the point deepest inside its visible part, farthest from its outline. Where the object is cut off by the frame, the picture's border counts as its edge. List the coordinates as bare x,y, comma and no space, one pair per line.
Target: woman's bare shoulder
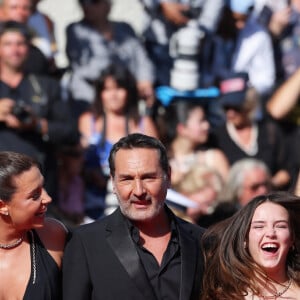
53,230
53,236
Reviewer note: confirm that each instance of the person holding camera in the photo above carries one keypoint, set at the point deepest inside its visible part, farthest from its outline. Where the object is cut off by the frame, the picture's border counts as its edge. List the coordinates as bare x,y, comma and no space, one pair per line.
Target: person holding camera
33,119
163,18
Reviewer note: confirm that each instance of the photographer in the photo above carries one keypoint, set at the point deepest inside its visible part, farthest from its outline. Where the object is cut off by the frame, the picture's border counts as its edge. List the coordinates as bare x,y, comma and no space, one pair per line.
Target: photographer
165,17
33,119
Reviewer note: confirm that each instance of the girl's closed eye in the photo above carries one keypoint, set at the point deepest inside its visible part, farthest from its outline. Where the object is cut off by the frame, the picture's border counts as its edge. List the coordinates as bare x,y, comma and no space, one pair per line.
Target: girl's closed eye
258,226
282,226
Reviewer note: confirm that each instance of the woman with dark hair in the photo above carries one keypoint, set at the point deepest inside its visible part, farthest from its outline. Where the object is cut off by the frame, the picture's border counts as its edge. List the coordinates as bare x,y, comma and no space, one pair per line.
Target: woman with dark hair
31,245
188,137
114,114
198,170
255,253
188,140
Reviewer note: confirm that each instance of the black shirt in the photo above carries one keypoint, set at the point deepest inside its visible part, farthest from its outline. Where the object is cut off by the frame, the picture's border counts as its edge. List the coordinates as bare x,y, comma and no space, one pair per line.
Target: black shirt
36,62
42,95
165,278
271,148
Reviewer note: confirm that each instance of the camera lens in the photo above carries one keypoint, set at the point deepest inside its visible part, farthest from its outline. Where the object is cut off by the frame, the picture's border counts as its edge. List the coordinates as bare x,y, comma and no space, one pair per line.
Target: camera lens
22,112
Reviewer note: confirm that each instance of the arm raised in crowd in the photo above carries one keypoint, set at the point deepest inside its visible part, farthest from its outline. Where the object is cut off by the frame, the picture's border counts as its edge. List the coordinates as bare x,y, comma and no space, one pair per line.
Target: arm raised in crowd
285,98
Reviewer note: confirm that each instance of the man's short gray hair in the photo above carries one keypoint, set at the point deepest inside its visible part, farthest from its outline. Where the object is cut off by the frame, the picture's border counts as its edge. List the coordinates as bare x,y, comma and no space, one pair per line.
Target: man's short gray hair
236,176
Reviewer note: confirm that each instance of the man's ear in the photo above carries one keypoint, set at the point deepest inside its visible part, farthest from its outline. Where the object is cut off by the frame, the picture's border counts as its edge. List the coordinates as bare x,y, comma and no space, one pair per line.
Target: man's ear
3,208
113,184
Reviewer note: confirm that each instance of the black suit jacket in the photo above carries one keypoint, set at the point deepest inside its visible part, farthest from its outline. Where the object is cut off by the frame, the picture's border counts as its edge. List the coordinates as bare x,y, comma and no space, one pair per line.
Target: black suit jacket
101,262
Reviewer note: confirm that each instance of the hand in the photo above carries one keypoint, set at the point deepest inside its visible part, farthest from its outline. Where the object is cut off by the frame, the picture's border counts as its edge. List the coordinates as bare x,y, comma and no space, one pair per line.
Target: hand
20,117
174,12
6,106
146,92
13,122
6,116
279,21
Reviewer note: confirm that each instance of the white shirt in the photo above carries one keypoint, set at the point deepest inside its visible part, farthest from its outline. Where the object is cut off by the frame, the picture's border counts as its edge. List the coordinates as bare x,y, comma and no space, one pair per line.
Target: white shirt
254,55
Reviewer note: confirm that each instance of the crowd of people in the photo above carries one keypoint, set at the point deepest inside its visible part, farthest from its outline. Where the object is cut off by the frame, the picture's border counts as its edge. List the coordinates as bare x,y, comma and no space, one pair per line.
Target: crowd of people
102,148
110,91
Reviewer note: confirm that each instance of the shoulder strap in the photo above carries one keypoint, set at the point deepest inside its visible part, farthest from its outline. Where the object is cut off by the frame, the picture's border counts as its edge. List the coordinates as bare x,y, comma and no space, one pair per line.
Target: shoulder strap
39,96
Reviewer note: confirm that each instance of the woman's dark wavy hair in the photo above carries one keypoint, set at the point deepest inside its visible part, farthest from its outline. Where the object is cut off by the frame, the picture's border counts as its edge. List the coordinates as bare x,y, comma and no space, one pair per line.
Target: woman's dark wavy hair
230,271
12,164
124,79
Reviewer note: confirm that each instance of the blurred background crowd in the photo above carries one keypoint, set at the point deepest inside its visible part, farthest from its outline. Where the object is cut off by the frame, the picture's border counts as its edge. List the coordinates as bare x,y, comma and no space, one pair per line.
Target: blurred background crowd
217,81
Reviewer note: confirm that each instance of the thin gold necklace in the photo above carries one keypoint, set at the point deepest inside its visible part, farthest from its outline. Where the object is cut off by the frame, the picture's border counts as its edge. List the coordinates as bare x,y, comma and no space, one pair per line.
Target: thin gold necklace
277,294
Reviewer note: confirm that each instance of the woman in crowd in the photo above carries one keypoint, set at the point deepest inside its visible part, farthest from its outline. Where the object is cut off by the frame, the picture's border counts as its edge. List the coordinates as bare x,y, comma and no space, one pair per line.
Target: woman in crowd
188,139
31,245
243,136
255,254
114,114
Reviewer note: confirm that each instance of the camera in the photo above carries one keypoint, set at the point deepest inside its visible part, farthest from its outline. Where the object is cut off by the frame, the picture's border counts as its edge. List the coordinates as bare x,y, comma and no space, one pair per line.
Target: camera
22,112
193,12
184,48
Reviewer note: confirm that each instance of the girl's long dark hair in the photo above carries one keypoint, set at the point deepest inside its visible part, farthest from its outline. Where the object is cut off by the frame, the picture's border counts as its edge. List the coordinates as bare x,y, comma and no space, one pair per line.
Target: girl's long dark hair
230,271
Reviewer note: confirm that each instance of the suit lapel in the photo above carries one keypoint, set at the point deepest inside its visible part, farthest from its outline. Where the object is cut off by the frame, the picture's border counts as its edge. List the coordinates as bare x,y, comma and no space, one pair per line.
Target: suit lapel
118,236
189,253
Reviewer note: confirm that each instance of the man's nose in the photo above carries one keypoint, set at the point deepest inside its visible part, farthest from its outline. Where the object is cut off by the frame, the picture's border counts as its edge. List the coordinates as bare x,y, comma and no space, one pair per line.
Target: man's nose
138,187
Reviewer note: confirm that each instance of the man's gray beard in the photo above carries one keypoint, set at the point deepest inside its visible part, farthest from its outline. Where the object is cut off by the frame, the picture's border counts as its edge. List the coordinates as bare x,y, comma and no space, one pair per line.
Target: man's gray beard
126,211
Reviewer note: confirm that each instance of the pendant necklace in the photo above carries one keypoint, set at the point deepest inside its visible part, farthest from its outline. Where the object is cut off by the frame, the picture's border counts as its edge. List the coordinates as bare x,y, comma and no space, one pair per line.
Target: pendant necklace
12,245
278,294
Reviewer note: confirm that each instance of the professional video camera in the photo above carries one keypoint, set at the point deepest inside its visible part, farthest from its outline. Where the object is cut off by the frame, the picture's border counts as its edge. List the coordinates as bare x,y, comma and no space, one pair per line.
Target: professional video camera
184,48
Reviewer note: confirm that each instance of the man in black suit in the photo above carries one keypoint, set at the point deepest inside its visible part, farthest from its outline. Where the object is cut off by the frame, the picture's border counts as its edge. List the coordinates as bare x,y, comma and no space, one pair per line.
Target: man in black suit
142,250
